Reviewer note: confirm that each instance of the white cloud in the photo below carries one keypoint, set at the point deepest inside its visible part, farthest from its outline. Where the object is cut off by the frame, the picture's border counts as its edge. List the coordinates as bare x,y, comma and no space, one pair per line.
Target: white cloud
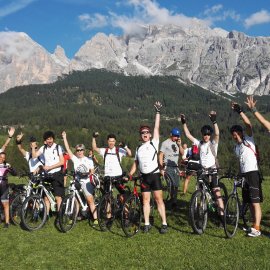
217,13
260,17
93,21
14,6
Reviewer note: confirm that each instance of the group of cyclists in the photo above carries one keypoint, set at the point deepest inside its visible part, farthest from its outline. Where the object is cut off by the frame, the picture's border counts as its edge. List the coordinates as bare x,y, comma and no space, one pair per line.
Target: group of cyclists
149,161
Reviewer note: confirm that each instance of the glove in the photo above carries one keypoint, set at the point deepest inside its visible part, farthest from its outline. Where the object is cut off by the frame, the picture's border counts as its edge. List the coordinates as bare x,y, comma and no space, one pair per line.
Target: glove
95,134
183,118
122,144
237,108
158,106
213,117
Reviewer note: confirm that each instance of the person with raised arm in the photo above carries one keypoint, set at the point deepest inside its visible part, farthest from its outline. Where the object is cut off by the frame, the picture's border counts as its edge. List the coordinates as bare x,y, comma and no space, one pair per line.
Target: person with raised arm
146,160
245,150
11,132
208,148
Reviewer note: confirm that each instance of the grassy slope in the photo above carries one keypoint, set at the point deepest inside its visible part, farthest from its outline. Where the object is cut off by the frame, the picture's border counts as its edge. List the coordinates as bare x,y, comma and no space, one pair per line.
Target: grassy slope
85,247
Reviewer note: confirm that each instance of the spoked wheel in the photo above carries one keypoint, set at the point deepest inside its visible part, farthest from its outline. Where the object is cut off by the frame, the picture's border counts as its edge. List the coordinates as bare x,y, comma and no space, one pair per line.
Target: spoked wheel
68,213
198,212
231,216
33,213
131,216
247,216
106,212
16,208
98,195
166,183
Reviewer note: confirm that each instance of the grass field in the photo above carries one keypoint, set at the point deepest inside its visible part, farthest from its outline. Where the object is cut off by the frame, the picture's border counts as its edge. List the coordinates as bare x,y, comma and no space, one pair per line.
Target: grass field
87,248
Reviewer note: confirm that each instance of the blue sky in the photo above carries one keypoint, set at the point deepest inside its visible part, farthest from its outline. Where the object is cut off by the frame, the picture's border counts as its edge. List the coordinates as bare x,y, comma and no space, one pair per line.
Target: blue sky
70,23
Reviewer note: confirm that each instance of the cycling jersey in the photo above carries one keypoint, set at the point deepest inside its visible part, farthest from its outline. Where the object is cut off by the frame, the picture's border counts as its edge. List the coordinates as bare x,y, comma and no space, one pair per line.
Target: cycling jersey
112,166
171,152
34,163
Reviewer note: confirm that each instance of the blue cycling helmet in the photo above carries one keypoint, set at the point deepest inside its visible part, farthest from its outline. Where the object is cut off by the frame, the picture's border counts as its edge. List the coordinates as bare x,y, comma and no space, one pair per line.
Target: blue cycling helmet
176,132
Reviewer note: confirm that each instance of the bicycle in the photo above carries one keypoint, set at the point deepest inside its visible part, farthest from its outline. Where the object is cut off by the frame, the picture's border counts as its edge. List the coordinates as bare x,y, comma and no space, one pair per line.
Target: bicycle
69,210
234,209
110,207
34,211
202,203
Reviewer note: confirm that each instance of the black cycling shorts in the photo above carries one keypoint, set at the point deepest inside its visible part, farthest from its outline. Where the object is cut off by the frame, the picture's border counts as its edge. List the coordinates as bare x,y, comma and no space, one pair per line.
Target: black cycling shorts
4,195
213,180
58,184
151,182
252,188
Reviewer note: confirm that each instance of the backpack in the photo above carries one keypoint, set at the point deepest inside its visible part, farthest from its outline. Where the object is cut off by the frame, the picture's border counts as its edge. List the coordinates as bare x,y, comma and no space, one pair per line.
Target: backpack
56,147
195,153
116,153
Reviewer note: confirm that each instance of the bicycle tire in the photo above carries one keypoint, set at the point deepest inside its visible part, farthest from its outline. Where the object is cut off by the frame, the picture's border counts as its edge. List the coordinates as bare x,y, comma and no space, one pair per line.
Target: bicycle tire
131,216
68,213
16,208
223,191
198,213
166,183
106,212
98,195
34,213
231,216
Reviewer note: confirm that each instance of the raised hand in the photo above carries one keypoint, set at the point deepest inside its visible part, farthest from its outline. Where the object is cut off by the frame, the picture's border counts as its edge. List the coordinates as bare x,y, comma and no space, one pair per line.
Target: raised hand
183,118
157,106
19,137
213,117
236,107
251,103
95,134
11,132
64,134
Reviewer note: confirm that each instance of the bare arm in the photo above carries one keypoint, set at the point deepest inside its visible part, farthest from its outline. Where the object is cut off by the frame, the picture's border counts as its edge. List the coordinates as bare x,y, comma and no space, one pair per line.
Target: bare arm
251,103
213,116
237,108
157,106
186,130
11,132
94,143
64,136
19,144
133,167
181,149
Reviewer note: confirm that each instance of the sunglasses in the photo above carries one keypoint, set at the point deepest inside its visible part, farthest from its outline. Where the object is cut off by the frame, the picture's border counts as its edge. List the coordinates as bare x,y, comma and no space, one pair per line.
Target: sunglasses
79,150
145,132
207,134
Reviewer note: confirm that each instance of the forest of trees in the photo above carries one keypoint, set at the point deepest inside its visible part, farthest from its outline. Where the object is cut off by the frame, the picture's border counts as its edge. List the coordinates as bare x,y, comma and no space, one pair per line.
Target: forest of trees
97,100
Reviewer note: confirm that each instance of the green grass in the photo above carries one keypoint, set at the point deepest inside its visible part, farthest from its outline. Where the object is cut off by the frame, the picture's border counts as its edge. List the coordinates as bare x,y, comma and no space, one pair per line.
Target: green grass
87,248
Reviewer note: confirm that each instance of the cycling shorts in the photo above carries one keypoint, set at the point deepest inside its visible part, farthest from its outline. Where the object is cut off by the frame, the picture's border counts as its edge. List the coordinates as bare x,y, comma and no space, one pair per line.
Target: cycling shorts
87,188
4,194
252,188
151,182
58,184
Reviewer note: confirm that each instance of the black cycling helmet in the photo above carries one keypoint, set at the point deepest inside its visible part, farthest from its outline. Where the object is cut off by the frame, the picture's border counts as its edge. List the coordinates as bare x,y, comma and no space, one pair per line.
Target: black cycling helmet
207,130
48,134
236,128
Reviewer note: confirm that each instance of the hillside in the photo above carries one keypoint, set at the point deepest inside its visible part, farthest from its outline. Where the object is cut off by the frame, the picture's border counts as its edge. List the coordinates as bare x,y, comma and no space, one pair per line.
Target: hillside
102,101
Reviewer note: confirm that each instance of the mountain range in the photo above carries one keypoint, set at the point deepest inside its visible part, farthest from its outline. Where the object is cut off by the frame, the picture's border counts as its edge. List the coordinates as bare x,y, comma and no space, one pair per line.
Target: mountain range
214,59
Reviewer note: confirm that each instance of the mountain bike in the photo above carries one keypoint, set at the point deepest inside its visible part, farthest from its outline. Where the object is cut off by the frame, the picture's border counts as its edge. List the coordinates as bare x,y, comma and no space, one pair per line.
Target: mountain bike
34,211
203,202
75,203
167,183
234,209
110,206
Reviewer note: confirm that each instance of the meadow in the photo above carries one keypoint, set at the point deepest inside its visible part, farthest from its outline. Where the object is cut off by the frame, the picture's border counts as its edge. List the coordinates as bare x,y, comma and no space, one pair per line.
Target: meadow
86,247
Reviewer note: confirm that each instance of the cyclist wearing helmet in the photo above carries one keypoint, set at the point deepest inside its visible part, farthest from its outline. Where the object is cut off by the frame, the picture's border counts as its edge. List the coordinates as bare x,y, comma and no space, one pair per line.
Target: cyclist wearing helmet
251,103
147,161
54,161
208,148
245,150
83,166
11,132
168,160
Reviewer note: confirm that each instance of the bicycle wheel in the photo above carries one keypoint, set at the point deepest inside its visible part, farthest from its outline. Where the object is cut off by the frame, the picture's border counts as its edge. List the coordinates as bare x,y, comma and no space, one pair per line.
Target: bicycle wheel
15,208
106,212
166,183
247,216
68,213
98,195
131,216
198,212
231,216
34,213
224,192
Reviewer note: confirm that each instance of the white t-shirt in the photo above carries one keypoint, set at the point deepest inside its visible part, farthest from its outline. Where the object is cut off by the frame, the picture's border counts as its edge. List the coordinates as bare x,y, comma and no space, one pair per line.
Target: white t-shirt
247,157
208,153
82,165
33,163
112,166
144,155
1,150
51,156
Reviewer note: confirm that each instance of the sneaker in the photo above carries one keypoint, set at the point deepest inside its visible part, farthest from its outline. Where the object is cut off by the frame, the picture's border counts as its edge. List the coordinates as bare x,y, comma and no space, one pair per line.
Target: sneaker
163,229
95,223
147,228
254,233
6,226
